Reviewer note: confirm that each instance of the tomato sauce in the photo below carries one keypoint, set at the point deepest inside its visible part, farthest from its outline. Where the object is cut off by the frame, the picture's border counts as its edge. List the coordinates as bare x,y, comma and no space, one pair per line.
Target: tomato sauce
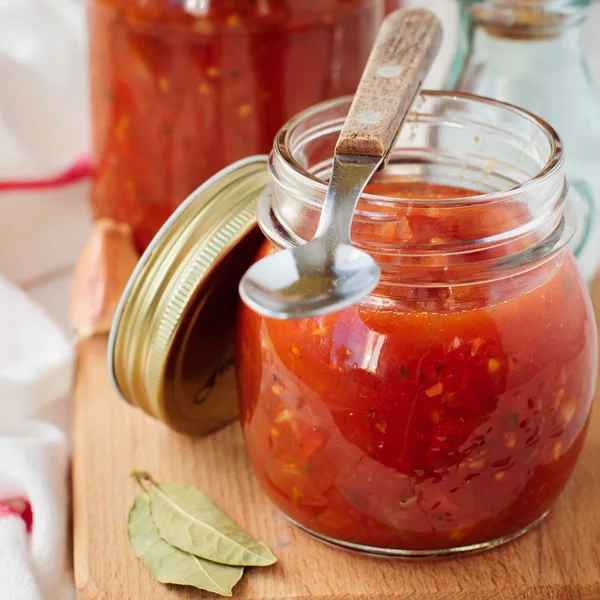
181,90
430,418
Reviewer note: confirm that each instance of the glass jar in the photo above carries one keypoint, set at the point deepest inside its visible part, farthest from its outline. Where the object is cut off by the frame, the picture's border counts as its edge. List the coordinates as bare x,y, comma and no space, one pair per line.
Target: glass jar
532,55
182,88
445,412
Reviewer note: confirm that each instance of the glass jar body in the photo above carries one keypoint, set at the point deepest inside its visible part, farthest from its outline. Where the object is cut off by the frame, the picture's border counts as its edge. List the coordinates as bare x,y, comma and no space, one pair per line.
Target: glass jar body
180,90
418,430
446,411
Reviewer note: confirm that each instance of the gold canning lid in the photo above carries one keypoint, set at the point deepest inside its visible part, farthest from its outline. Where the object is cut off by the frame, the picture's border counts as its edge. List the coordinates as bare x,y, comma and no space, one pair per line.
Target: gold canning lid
172,343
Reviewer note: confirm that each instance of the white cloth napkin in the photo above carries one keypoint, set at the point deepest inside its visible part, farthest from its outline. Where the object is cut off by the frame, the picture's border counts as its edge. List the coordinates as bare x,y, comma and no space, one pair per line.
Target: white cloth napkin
44,130
36,370
44,122
36,358
33,466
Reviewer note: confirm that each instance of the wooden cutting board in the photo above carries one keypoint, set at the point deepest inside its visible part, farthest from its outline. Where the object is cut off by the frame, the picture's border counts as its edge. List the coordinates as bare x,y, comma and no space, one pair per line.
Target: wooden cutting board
558,560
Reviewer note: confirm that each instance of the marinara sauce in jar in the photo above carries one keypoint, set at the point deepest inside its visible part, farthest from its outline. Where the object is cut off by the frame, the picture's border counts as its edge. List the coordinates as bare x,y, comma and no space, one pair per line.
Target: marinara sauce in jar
444,412
181,89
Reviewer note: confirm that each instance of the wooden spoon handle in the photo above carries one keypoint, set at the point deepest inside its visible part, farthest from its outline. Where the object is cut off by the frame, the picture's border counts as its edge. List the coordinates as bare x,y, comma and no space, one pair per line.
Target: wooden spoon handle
406,45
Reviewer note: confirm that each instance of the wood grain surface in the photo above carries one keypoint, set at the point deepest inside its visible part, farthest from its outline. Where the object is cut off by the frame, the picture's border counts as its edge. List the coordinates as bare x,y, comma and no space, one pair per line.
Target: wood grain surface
560,560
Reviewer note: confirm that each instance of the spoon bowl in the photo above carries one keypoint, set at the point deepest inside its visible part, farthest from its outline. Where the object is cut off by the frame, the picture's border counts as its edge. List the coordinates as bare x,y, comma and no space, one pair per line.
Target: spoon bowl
310,280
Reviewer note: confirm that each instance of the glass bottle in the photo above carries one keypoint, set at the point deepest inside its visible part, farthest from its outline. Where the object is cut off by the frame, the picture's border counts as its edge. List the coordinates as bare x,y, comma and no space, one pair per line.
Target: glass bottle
531,54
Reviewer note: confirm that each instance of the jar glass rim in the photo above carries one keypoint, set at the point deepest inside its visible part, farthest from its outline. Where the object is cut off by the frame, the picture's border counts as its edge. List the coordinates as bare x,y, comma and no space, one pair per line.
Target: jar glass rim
281,148
505,164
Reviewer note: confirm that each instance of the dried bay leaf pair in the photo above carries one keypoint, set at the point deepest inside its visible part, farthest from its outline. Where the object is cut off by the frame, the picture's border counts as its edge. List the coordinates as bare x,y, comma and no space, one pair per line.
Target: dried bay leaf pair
184,539
170,565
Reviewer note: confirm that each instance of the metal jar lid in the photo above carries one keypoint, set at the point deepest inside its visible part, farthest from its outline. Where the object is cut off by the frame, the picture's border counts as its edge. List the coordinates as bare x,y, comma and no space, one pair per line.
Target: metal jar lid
172,343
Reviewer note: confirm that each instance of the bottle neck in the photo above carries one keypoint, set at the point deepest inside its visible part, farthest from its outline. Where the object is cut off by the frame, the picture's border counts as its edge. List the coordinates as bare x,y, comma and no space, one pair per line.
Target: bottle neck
515,35
532,21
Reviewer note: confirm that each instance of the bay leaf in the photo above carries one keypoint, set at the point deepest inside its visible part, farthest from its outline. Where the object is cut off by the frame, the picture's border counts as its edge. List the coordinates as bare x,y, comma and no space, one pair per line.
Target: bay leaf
188,520
170,565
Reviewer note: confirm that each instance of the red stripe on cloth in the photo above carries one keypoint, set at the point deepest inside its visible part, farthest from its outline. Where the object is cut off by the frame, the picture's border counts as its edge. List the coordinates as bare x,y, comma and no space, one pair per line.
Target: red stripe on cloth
17,507
82,169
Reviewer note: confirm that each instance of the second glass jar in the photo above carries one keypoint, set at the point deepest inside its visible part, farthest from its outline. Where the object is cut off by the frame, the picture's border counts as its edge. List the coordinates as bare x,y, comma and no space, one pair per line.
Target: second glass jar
445,412
181,89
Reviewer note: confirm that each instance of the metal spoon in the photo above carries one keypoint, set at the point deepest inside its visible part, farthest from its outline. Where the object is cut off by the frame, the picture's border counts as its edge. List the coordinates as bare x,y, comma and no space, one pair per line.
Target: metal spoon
329,273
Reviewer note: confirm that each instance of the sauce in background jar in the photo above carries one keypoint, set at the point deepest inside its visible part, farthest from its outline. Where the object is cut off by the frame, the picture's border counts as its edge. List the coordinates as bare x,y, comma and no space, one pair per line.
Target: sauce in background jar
181,89
445,412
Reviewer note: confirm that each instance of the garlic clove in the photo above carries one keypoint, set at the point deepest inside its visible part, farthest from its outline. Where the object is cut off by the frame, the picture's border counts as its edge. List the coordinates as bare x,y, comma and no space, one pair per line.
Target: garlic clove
102,271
